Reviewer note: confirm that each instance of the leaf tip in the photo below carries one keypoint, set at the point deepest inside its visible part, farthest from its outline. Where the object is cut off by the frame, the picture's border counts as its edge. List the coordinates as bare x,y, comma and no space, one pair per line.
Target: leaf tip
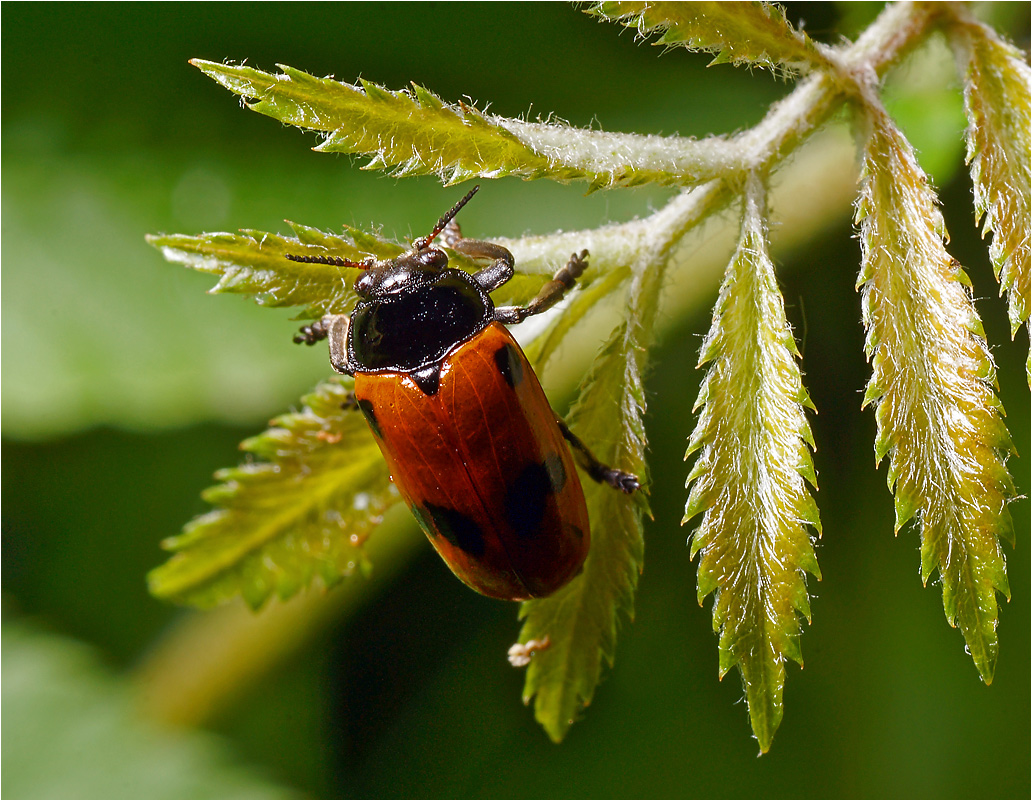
985,661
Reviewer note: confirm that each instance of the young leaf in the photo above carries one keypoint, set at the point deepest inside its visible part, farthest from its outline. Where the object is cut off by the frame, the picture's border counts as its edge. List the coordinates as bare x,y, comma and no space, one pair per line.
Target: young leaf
932,380
998,106
303,511
255,263
417,133
580,621
750,478
755,34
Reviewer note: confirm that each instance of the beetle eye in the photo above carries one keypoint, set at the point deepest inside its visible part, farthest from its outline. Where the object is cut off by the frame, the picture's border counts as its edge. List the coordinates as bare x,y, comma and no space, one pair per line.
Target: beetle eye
434,258
364,283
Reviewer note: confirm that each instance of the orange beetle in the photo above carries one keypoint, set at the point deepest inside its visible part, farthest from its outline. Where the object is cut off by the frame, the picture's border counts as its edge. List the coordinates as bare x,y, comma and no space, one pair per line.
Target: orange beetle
467,432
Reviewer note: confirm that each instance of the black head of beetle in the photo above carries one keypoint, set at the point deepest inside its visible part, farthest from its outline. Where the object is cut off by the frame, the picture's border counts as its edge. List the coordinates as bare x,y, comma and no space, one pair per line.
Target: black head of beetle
409,317
414,309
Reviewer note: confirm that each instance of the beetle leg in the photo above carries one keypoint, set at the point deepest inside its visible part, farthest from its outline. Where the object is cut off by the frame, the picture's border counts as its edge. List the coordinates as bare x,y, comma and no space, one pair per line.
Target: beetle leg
492,276
603,474
335,328
316,332
550,294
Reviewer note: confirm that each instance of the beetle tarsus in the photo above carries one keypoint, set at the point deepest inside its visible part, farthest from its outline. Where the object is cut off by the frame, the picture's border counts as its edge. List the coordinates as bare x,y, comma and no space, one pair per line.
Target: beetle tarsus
314,332
619,479
550,294
603,474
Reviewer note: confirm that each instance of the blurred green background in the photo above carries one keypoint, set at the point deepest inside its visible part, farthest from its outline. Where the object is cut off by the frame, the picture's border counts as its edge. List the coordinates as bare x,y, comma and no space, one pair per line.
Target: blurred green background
125,386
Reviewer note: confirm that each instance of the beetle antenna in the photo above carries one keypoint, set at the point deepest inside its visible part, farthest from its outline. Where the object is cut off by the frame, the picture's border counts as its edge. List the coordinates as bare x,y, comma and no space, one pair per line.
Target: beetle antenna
336,261
421,243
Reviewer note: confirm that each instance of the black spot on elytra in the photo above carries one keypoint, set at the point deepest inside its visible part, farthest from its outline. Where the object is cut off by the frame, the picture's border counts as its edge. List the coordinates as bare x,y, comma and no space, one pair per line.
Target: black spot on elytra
366,407
527,495
459,529
510,365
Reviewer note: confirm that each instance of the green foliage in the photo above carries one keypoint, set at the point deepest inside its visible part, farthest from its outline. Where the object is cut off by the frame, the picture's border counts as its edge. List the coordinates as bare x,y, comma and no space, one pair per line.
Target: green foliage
320,487
417,133
751,34
938,417
750,477
303,511
255,263
581,620
71,731
998,105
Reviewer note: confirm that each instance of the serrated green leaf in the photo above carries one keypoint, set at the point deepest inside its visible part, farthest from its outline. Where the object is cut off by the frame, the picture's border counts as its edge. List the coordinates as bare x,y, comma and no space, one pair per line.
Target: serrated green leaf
581,620
998,104
750,478
938,417
806,467
255,263
883,439
906,507
417,133
372,244
302,512
755,34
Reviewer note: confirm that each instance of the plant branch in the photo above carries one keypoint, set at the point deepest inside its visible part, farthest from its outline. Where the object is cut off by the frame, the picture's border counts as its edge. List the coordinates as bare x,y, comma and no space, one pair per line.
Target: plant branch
760,149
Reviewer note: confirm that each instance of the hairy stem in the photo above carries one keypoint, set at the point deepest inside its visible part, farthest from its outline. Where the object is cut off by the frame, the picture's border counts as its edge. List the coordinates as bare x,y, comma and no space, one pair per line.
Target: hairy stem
788,124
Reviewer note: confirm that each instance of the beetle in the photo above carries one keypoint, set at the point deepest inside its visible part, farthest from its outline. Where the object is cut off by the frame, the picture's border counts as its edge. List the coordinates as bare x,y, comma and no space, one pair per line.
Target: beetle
470,439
